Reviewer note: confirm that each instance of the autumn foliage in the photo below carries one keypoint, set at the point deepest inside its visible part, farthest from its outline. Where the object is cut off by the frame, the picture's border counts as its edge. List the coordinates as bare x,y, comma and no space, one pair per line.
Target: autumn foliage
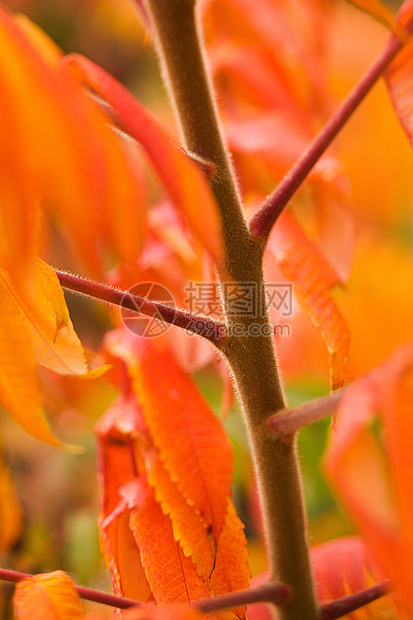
286,264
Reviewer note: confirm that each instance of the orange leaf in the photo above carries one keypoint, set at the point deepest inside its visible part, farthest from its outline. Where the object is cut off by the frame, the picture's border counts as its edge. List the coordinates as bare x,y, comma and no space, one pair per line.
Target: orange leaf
128,576
50,595
187,525
313,277
173,578
181,177
163,613
19,391
192,444
57,123
372,473
399,78
377,10
231,571
116,431
45,314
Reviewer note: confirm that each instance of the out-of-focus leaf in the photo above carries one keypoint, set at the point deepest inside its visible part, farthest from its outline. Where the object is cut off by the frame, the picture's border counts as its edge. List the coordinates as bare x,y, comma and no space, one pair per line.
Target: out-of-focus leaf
181,177
183,180
313,277
399,78
377,10
231,571
56,140
372,474
11,514
341,567
50,595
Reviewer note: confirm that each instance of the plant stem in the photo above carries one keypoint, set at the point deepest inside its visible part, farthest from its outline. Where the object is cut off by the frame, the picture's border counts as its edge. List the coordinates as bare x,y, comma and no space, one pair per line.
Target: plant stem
201,326
347,604
288,421
263,221
275,593
251,356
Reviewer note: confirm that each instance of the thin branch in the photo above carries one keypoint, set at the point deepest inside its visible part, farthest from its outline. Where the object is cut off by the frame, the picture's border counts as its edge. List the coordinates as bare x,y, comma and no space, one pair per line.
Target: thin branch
287,422
209,329
263,221
270,592
85,593
347,604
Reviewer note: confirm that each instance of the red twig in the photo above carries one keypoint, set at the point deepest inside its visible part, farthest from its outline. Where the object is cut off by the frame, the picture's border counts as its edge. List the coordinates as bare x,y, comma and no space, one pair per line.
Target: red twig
287,422
85,593
270,592
347,604
209,329
263,221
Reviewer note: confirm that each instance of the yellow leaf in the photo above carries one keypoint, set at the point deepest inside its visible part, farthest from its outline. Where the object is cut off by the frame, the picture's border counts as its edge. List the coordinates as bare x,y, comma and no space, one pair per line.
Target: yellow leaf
34,328
50,596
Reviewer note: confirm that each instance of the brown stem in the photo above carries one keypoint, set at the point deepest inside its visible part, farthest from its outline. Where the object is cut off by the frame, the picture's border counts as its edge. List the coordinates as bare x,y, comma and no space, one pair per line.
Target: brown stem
250,353
263,221
287,422
347,604
201,326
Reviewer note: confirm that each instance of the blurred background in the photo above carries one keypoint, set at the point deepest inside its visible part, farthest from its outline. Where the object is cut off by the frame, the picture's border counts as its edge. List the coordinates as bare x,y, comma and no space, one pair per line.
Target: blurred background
365,228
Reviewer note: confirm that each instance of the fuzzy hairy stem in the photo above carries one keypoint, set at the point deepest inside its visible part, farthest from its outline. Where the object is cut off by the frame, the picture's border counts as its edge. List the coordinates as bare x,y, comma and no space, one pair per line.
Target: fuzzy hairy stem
264,220
201,326
288,421
251,355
